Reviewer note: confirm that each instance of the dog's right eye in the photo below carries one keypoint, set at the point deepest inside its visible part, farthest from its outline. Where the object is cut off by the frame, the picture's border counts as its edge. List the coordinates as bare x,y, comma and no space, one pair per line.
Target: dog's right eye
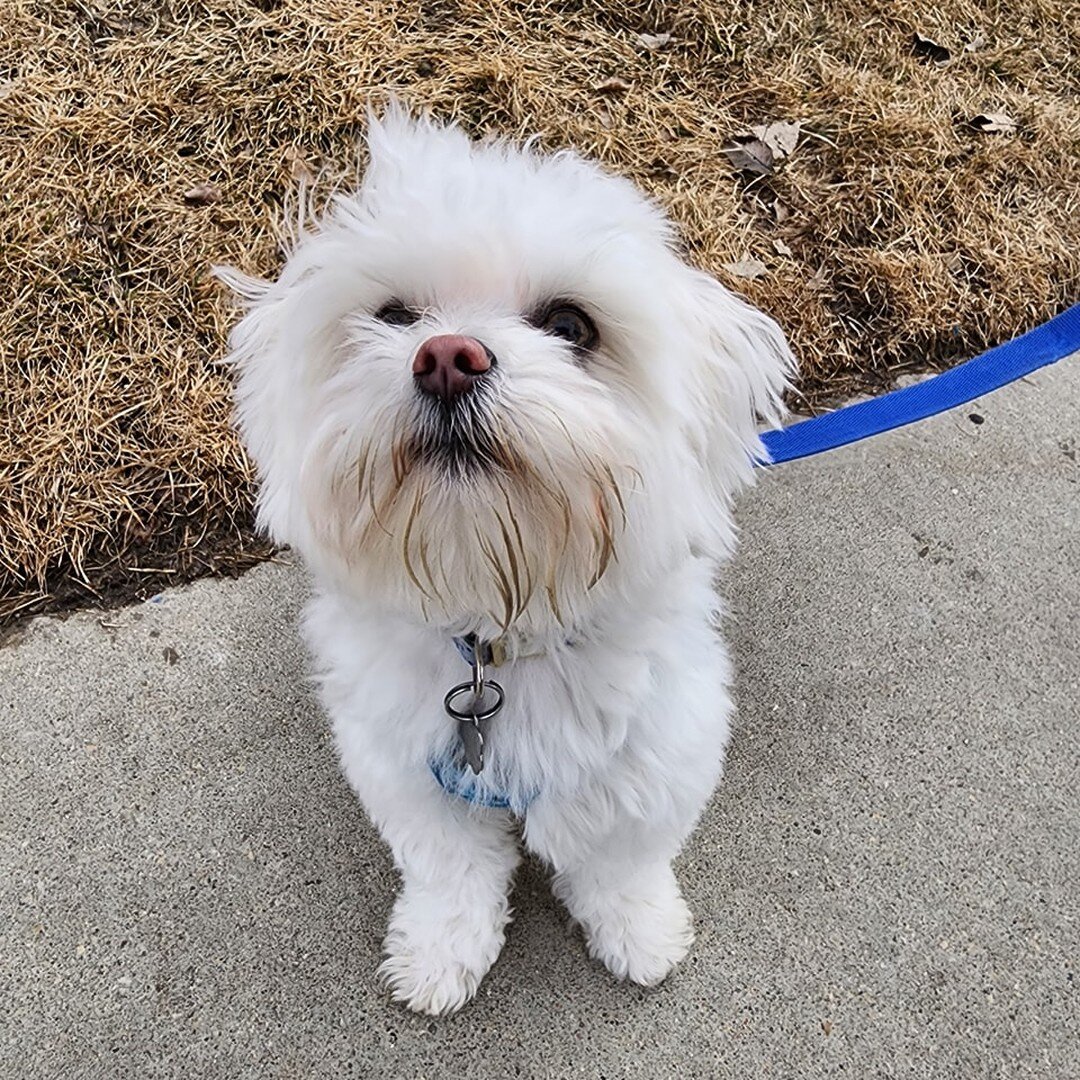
396,314
569,322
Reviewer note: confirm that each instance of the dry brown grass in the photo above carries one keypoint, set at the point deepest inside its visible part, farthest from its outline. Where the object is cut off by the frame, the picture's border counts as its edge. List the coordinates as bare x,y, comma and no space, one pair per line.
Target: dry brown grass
914,240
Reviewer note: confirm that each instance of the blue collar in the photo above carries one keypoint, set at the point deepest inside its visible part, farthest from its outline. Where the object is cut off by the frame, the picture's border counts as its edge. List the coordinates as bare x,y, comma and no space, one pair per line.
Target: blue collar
466,647
458,780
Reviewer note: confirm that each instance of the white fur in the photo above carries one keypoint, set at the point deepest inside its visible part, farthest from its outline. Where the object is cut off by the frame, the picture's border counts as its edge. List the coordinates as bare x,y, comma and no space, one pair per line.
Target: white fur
595,546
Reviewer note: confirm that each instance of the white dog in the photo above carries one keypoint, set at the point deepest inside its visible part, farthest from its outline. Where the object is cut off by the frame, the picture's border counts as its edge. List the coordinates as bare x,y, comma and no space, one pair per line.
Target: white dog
501,419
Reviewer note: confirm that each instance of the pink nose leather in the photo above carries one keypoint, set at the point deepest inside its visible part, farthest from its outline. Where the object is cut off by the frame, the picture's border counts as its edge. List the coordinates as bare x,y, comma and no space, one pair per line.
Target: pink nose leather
447,365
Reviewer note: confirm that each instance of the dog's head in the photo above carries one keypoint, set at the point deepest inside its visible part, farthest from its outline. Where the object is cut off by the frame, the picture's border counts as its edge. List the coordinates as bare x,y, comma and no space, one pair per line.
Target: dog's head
486,390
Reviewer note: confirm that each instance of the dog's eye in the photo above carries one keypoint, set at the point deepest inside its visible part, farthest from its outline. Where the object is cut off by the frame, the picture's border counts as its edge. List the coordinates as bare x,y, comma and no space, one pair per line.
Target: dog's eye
396,314
571,324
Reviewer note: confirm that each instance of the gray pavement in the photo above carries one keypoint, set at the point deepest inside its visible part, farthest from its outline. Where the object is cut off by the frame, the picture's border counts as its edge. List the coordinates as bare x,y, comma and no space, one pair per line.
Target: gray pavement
885,885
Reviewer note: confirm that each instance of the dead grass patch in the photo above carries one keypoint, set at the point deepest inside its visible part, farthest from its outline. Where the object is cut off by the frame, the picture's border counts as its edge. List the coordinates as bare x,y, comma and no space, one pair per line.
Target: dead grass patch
909,237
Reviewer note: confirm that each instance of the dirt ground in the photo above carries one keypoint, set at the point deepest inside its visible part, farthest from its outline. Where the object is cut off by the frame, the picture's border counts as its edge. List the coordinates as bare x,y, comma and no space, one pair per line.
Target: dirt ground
911,195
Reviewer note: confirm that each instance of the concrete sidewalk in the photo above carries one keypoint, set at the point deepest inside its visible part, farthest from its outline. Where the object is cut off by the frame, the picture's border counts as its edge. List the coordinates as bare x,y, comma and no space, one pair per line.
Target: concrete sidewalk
885,885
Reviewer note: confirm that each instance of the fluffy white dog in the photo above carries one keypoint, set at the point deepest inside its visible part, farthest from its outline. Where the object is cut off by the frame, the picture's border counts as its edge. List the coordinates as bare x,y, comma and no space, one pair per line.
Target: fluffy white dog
501,419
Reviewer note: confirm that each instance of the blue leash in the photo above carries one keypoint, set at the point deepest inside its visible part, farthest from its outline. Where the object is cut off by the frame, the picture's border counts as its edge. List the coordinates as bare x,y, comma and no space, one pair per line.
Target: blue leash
1044,345
1037,348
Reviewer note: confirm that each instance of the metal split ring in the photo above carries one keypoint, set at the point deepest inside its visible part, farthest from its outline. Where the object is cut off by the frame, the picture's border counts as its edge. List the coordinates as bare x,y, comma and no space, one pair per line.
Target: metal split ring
477,672
470,688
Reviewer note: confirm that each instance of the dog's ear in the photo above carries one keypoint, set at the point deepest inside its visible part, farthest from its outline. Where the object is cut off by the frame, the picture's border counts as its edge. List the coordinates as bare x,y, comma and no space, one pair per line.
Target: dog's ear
259,379
737,371
283,344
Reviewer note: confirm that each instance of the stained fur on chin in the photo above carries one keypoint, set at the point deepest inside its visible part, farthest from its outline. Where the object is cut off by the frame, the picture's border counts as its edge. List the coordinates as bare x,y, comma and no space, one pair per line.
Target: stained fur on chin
484,530
578,496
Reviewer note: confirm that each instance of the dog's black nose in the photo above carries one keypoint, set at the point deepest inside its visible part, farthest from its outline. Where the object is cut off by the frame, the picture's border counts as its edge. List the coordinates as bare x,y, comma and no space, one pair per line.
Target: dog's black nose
447,365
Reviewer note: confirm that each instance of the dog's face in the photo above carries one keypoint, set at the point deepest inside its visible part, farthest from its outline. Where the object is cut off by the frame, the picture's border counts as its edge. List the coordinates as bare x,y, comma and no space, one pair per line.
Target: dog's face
486,391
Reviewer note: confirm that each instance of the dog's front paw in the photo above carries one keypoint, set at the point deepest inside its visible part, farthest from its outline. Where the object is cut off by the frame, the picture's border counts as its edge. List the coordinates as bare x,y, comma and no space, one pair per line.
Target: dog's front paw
638,932
437,952
641,940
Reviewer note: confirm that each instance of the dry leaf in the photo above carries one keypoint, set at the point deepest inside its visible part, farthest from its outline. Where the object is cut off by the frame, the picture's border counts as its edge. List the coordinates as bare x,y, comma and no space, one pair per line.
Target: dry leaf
993,123
614,85
926,49
747,268
781,211
826,1026
299,169
819,281
603,115
202,194
976,43
758,150
781,248
780,138
654,42
750,155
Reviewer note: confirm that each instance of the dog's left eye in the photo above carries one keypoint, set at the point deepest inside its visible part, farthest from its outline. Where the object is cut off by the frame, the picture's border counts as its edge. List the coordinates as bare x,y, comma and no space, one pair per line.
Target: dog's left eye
571,324
396,314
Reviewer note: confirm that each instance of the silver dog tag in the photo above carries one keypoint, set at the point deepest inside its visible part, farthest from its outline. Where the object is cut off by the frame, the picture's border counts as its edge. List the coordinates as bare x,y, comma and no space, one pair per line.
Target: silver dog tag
473,733
474,712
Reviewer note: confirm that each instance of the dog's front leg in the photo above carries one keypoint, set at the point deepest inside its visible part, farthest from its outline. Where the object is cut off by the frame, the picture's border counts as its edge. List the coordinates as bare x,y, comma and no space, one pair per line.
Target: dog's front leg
617,882
449,920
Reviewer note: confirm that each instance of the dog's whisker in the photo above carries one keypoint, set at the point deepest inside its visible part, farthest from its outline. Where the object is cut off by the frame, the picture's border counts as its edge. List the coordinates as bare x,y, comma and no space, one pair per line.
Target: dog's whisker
406,558
616,490
503,583
362,469
605,542
422,548
522,557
